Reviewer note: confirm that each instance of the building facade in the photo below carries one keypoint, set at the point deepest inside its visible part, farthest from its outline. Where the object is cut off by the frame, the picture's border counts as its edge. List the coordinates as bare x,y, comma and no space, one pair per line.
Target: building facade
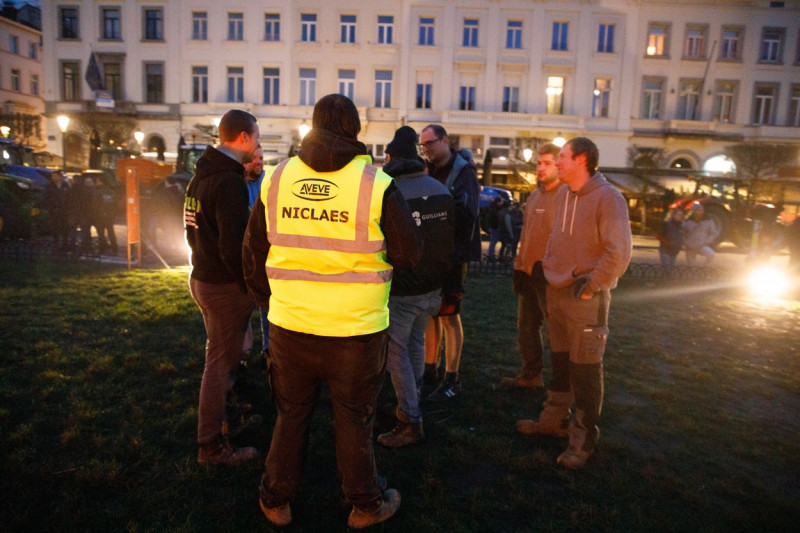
686,77
21,81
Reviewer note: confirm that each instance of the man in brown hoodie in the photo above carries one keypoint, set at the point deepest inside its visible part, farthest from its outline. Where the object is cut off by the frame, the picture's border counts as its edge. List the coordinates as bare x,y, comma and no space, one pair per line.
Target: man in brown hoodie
589,249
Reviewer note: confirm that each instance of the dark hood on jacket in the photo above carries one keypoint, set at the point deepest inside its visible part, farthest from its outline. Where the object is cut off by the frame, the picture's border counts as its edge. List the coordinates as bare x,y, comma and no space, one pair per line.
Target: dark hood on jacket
400,167
212,161
327,152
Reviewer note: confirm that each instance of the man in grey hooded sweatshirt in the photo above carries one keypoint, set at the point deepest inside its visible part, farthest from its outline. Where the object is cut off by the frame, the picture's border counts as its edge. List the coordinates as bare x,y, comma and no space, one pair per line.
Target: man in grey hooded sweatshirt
589,249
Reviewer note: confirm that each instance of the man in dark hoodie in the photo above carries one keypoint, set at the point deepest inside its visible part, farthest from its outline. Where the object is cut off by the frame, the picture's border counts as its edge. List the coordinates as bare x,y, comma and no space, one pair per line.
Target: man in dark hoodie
215,216
329,227
589,249
416,292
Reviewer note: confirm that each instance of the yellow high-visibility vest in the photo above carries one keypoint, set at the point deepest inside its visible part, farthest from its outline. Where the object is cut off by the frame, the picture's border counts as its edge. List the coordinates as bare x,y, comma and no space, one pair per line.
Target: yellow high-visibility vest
327,265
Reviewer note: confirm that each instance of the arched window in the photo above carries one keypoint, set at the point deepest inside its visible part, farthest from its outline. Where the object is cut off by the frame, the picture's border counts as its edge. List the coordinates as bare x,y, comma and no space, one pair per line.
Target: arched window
681,163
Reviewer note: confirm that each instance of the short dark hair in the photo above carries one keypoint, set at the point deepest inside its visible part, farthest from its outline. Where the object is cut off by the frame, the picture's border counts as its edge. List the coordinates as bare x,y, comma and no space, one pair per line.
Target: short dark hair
234,122
437,129
549,148
337,114
583,145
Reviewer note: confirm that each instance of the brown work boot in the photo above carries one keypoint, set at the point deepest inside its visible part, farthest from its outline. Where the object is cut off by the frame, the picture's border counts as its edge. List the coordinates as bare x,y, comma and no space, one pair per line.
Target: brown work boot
359,519
278,516
523,382
582,443
403,434
220,452
554,418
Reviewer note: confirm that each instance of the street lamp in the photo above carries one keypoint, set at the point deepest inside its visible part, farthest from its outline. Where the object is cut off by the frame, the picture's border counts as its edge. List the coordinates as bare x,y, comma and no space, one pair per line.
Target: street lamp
559,141
303,129
4,131
63,124
527,153
139,136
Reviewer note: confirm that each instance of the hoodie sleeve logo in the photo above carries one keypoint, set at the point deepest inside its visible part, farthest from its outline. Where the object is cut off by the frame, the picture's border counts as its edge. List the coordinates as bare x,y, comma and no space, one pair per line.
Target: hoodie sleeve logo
316,190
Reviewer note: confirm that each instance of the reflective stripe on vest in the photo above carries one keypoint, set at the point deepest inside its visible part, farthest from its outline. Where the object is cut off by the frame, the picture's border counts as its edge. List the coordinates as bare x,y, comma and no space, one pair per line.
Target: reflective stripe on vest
361,244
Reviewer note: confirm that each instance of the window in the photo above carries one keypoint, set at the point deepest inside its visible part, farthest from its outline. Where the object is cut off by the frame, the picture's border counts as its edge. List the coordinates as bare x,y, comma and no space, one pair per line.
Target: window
70,81
112,78
731,44
347,29
794,107
689,100
470,38
68,28
272,27
500,146
272,78
724,95
424,92
154,83
153,24
657,35
651,98
555,95
308,27
559,41
308,85
466,98
347,82
199,26
236,26
235,84
385,29
13,44
383,88
601,97
35,84
200,85
111,23
426,25
510,99
764,103
605,39
514,34
771,45
694,46
16,80
33,50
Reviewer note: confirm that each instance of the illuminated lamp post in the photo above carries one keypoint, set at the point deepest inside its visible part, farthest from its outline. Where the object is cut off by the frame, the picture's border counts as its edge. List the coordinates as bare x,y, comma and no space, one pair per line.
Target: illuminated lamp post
559,141
139,136
63,124
303,130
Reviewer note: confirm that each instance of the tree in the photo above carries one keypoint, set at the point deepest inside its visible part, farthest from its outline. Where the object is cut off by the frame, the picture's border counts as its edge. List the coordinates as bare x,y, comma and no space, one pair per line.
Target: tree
757,166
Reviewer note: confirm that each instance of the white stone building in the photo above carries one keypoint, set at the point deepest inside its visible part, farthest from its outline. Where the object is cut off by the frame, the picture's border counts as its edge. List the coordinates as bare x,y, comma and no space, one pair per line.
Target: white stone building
21,75
688,77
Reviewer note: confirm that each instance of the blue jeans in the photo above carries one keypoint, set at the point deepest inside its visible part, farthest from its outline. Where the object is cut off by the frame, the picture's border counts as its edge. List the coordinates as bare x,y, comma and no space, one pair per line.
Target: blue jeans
408,318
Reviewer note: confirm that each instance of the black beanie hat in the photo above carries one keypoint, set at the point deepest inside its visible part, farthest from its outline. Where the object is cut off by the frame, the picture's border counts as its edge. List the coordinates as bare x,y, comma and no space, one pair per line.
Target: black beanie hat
404,144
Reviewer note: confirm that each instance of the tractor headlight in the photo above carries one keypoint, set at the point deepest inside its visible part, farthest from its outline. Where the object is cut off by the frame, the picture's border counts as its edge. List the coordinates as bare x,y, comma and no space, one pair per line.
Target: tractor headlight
768,282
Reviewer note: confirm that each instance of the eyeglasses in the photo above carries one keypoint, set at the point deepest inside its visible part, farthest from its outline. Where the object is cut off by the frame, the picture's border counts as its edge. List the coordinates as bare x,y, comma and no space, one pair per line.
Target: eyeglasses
427,145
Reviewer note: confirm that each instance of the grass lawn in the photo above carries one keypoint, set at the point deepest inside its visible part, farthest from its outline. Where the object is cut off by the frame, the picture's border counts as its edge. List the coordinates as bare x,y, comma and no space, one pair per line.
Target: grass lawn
101,370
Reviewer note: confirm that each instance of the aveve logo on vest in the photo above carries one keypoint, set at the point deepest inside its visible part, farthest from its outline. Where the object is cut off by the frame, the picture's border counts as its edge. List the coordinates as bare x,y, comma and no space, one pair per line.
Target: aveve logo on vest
315,189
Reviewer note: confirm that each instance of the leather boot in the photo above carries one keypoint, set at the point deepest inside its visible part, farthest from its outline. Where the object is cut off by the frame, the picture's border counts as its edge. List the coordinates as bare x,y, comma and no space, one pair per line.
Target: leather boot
587,385
403,434
554,418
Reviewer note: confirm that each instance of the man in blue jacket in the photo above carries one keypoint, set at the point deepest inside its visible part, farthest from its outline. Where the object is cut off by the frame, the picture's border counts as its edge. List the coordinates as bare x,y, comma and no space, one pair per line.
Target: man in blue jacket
458,174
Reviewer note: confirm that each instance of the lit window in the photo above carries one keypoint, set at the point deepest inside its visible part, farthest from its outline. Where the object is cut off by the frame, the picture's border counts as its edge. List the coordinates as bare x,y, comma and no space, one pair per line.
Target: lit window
601,96
555,95
657,40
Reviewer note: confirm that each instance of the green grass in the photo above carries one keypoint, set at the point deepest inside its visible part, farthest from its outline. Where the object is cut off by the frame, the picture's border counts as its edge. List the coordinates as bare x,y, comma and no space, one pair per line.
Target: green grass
101,369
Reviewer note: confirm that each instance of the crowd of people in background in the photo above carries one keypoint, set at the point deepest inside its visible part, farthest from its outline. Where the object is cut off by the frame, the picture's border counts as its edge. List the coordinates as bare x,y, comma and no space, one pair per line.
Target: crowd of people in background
81,213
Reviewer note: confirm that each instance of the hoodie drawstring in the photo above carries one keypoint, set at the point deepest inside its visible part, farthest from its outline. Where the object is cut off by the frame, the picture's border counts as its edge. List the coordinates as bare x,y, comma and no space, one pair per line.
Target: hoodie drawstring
574,209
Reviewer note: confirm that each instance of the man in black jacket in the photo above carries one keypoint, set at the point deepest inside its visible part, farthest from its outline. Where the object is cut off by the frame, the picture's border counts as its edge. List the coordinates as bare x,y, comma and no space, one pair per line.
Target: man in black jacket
328,229
215,216
415,294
